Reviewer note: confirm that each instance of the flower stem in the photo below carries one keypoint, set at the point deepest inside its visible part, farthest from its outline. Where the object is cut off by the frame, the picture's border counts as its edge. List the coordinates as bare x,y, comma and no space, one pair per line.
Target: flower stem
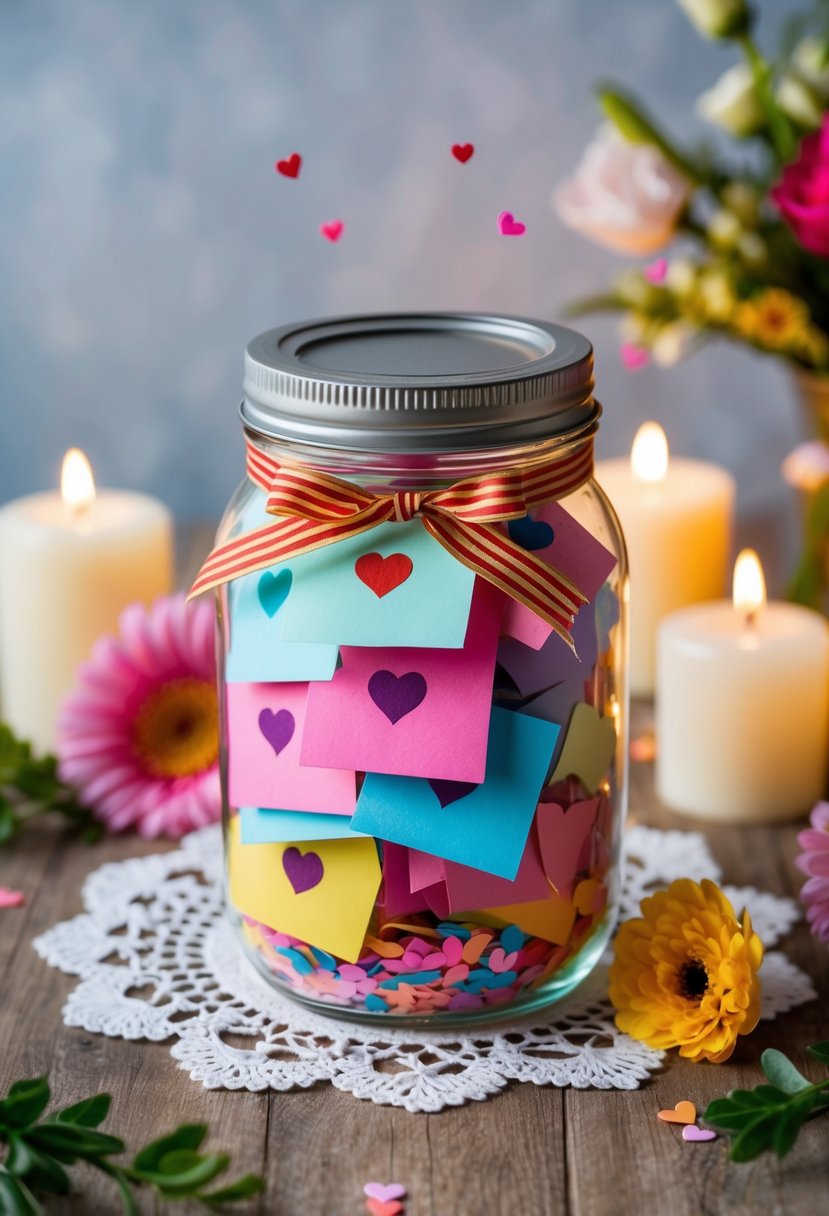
782,136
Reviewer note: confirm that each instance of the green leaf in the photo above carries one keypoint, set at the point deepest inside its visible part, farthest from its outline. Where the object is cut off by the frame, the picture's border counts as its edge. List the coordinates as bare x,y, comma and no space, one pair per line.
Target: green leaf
820,1051
184,1174
782,1073
247,1186
755,1138
24,1103
69,1141
188,1136
789,1125
9,822
88,1113
15,1197
40,1170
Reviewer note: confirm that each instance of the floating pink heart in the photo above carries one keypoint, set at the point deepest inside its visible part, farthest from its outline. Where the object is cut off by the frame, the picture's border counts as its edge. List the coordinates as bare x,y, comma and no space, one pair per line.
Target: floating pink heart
508,225
692,1132
332,230
633,357
655,273
385,1193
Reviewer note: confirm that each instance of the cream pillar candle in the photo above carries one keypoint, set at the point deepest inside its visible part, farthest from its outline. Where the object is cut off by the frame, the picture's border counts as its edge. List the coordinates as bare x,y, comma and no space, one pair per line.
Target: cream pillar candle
742,713
677,517
69,563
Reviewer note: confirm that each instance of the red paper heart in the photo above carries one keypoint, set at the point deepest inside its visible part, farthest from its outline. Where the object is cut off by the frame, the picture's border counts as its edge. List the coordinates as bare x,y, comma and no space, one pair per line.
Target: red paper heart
383,574
333,230
462,152
290,166
378,1208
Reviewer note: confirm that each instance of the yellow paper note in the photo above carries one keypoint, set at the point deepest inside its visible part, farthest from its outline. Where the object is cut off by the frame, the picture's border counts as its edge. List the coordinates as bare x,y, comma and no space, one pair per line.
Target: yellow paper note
551,919
588,748
321,891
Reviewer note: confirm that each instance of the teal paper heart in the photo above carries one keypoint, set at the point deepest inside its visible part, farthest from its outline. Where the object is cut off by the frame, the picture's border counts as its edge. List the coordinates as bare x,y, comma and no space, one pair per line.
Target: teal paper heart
274,590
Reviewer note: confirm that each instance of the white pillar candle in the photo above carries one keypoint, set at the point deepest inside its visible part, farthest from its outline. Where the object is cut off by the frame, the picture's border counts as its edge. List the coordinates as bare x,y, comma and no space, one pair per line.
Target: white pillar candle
69,563
677,517
742,711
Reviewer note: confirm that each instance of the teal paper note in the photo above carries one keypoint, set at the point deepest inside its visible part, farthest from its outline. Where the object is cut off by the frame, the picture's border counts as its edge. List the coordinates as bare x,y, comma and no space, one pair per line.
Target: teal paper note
410,592
257,652
278,827
483,826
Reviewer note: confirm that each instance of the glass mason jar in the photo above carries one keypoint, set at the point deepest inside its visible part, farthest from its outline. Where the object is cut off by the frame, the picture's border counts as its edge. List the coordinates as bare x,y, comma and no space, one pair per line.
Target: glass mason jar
424,778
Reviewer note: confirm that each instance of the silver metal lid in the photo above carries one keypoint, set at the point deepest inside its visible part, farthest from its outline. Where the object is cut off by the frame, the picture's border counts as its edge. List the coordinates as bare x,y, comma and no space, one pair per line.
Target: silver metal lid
419,381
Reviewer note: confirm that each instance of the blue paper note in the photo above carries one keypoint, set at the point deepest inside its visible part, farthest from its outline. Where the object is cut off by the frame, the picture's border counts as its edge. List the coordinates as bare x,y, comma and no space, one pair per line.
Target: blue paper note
410,592
257,652
277,827
483,826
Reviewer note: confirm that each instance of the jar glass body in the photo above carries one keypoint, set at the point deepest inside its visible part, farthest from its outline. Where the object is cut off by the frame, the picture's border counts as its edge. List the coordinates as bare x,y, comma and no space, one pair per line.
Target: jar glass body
435,963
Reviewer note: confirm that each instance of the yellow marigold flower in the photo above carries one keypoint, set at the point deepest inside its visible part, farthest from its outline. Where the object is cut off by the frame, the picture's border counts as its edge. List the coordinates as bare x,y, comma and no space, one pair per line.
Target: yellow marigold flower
685,972
774,319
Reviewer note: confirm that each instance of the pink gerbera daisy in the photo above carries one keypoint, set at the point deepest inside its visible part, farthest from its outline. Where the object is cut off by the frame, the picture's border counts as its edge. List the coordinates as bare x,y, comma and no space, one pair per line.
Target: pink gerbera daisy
139,737
815,862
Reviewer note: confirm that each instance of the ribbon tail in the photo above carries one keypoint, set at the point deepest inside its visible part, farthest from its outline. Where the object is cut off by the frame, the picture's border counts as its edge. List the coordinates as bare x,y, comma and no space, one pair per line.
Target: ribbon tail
279,542
515,571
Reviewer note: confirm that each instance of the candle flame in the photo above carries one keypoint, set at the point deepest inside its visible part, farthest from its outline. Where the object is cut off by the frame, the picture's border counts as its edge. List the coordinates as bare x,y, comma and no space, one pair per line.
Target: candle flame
77,485
749,591
649,454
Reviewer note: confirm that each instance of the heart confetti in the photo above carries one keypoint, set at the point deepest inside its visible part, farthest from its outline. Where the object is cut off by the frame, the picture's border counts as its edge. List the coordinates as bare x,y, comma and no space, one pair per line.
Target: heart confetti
396,696
273,590
278,728
332,230
290,166
384,1192
683,1112
10,898
383,574
633,357
378,1208
656,272
692,1133
463,152
448,792
508,225
304,871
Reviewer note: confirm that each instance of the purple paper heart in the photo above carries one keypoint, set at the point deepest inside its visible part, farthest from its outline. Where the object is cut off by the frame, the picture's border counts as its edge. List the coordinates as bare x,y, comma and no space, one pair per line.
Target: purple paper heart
384,1194
451,791
278,728
303,870
395,695
692,1132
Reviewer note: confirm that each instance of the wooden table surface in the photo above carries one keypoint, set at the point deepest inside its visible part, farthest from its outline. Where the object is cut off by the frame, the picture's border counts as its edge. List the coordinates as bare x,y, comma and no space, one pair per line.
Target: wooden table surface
543,1151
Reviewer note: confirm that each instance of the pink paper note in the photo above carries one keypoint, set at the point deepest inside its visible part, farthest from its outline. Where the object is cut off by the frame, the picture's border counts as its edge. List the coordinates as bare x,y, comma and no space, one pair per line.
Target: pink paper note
396,898
424,869
563,836
466,889
406,711
265,723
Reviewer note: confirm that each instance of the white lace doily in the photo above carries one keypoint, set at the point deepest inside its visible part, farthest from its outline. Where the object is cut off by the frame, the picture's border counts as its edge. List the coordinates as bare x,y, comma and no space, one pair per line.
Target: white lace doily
157,960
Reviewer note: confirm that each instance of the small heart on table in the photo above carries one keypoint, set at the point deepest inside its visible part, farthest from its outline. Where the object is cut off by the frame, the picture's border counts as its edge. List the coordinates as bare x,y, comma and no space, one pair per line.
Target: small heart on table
377,1208
683,1112
384,1192
383,574
694,1133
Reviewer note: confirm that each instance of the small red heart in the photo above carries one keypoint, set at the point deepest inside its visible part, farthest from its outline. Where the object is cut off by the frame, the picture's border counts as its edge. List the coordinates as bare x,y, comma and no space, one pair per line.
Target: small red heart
290,166
383,574
333,230
377,1207
462,152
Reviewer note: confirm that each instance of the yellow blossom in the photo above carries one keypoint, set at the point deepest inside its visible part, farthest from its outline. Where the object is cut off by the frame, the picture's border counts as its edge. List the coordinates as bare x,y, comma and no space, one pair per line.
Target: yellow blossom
685,972
775,319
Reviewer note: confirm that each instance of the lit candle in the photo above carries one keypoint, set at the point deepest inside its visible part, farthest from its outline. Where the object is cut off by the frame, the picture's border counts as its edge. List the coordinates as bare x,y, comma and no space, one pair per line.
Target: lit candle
677,517
69,563
743,705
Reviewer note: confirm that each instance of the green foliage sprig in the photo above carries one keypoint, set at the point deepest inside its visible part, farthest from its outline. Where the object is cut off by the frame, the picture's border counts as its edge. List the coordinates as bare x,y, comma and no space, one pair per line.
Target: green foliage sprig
30,787
769,1117
39,1149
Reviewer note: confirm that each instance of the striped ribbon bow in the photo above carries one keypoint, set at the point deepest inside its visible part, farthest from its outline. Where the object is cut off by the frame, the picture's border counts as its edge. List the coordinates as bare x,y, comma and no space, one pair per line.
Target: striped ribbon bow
317,509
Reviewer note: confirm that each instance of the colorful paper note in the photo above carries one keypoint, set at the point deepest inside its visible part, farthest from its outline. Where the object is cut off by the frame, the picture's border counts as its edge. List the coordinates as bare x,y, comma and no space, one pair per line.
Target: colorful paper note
466,888
257,652
588,748
534,670
397,899
551,919
391,586
485,827
564,838
320,891
265,723
262,826
420,713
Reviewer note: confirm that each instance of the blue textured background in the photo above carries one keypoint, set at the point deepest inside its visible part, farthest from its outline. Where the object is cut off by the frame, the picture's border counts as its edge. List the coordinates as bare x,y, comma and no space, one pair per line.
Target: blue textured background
144,236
